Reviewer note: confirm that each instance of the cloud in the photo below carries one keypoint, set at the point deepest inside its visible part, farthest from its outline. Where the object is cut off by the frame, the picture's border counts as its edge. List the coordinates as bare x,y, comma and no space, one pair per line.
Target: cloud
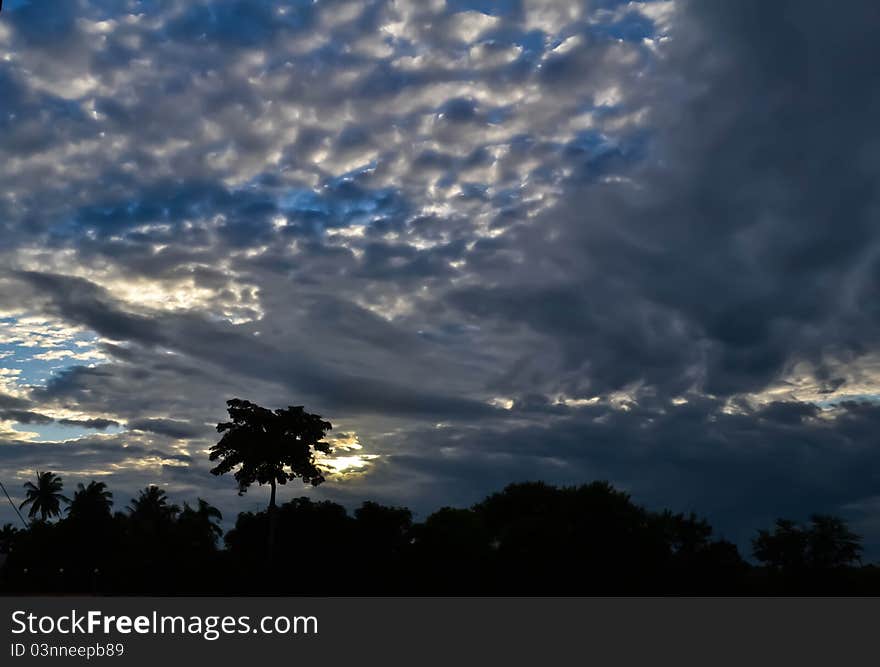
25,417
95,423
496,241
168,427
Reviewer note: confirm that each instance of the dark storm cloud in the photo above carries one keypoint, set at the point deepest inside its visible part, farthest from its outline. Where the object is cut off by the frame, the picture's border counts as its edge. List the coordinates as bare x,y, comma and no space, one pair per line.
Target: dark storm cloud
96,423
742,251
169,427
25,417
85,303
93,454
650,234
774,209
227,347
8,402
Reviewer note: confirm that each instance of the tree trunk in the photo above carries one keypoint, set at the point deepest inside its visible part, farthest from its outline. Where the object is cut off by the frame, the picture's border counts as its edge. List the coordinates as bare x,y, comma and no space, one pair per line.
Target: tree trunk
272,520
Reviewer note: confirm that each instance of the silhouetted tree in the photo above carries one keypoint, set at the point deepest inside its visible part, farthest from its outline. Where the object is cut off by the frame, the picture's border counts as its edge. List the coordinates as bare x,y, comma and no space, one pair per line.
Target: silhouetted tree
452,552
381,537
45,496
309,533
90,534
7,536
831,544
385,527
151,508
530,538
827,543
199,525
91,503
591,533
783,549
697,563
684,534
269,447
151,542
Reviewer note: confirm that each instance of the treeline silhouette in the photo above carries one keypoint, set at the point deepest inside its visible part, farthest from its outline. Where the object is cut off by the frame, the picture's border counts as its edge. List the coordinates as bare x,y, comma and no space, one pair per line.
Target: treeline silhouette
530,538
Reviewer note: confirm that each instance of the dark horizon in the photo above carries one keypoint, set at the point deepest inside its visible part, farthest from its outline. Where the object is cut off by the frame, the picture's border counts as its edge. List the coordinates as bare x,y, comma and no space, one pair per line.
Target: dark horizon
527,539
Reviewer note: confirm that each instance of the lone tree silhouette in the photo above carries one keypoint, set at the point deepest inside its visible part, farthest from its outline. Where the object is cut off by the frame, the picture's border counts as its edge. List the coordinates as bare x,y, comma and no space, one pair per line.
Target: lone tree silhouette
270,447
45,496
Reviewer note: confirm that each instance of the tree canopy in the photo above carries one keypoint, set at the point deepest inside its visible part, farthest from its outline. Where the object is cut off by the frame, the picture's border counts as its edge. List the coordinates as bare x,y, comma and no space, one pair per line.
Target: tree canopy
269,446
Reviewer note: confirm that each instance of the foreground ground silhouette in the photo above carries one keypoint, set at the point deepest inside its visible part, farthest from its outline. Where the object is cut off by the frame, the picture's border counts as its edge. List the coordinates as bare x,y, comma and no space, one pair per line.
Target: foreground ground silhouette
530,538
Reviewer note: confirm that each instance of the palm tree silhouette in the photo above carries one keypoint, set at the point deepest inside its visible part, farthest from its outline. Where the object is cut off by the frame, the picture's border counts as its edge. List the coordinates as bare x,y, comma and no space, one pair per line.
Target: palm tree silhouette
45,496
151,505
201,523
206,512
91,502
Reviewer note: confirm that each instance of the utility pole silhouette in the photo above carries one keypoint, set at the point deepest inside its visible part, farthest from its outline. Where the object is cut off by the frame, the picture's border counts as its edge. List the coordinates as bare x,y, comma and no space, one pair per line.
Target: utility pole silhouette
5,492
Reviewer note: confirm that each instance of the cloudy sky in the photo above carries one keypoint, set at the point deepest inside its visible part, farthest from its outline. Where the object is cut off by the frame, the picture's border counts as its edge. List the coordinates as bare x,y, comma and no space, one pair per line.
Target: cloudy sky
489,241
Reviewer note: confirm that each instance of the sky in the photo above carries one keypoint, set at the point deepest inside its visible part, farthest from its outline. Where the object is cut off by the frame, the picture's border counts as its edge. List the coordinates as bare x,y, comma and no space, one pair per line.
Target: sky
489,241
